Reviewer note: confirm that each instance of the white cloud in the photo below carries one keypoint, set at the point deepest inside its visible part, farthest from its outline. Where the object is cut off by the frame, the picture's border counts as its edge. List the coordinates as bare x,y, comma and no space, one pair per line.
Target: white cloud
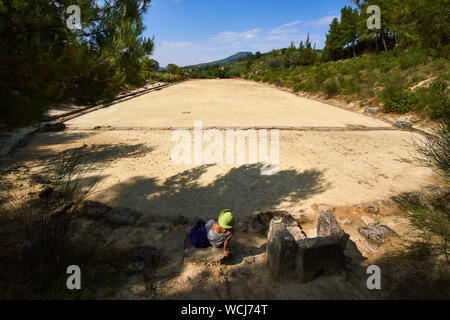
176,45
228,42
324,21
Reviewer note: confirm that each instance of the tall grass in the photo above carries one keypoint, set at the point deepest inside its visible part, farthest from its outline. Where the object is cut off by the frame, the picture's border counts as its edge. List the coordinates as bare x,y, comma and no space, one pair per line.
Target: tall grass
55,237
434,150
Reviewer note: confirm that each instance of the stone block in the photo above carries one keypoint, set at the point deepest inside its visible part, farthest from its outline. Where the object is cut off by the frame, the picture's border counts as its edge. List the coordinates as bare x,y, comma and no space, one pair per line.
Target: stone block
318,256
281,248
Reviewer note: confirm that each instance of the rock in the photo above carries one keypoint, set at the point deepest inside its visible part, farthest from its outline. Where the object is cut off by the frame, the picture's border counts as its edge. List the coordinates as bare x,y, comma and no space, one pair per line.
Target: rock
53,127
122,216
290,223
296,231
368,220
440,193
45,192
376,233
403,125
281,248
346,221
414,119
396,199
416,197
372,110
182,220
327,226
94,209
431,187
266,217
325,207
368,207
318,256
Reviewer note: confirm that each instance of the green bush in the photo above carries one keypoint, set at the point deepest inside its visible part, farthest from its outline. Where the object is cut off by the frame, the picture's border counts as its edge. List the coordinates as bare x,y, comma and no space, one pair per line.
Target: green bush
349,86
397,98
412,59
310,86
276,63
434,100
331,88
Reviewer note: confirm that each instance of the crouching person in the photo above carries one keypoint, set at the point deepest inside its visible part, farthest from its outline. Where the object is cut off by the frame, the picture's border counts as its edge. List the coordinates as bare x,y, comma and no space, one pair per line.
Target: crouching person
220,232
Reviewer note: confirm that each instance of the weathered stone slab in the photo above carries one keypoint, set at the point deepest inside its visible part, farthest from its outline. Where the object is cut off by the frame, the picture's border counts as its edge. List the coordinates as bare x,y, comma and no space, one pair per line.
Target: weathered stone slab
403,125
368,220
291,224
281,248
265,217
376,233
374,110
327,226
318,256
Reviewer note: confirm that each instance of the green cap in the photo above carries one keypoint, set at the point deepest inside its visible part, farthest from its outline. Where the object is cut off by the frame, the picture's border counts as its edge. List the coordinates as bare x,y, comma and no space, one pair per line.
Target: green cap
226,219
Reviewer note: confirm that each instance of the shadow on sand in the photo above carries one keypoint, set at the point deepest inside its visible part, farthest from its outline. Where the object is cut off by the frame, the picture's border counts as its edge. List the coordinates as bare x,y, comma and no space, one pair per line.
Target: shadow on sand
241,189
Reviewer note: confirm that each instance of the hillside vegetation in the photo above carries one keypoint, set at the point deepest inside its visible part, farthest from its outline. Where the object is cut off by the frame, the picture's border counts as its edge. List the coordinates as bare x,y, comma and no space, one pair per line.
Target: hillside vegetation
403,81
404,66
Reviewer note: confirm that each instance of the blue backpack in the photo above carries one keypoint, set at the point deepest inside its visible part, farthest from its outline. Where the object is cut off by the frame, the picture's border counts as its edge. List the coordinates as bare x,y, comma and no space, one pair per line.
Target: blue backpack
198,235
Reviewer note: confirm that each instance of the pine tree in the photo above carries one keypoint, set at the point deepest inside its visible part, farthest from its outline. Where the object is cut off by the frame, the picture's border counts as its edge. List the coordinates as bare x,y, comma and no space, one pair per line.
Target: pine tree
334,42
348,28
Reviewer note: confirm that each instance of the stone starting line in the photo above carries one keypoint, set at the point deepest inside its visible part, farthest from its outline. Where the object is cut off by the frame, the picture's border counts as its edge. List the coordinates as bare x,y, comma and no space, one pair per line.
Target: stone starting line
281,128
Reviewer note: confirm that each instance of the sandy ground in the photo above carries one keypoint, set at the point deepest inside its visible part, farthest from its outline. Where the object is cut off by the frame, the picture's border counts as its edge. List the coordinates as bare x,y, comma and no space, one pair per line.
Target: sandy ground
340,168
235,103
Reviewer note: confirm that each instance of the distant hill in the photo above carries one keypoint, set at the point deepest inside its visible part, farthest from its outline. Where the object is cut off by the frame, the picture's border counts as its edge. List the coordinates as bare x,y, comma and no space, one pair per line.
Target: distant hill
233,58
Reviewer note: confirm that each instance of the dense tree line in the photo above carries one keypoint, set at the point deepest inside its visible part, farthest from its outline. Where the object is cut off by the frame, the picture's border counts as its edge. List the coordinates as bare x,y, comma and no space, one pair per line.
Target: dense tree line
43,62
422,23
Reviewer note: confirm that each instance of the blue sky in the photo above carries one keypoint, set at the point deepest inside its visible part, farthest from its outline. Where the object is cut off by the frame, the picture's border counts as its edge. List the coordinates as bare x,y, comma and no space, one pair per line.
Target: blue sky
193,31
